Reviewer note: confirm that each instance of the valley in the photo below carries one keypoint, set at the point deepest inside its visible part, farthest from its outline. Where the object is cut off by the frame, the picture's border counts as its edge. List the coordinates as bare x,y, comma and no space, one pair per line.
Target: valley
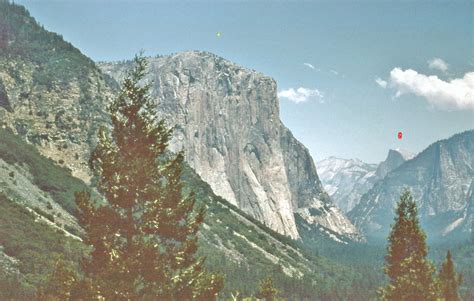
318,229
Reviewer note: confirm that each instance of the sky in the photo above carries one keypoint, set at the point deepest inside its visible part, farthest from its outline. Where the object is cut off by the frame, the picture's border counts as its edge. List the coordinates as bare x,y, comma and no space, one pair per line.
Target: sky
350,75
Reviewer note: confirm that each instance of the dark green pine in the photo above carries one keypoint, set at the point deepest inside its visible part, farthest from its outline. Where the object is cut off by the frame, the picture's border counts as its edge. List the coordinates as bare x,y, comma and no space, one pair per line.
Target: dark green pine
144,238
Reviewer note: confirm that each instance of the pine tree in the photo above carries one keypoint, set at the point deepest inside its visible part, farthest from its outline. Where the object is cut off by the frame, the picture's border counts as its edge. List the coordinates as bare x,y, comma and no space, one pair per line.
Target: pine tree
449,280
266,290
411,274
144,238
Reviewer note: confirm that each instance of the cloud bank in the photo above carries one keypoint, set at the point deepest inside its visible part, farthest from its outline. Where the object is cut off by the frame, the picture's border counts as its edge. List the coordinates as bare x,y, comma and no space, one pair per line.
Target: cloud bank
456,93
301,94
439,64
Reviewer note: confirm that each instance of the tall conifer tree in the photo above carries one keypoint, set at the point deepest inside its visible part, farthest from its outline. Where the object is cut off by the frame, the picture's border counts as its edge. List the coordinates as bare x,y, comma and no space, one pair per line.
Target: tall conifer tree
449,280
411,274
144,238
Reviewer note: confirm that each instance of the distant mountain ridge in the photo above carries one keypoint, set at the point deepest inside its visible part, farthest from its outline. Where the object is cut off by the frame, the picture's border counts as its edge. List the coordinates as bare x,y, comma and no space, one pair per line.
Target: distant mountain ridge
346,180
440,179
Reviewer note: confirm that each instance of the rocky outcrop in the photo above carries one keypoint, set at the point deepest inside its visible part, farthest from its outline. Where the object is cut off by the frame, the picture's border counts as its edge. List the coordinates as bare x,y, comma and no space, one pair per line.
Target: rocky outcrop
439,179
226,118
394,159
60,117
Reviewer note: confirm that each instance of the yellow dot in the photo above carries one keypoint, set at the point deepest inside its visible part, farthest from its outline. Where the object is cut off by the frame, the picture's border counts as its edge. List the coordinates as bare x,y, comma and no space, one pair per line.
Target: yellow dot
218,34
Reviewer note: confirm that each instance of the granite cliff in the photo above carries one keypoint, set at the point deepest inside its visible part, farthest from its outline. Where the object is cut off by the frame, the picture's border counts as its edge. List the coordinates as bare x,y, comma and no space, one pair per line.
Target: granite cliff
226,118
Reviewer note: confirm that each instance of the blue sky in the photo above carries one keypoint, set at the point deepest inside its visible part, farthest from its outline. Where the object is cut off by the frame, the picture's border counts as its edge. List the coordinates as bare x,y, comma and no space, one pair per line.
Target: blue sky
325,56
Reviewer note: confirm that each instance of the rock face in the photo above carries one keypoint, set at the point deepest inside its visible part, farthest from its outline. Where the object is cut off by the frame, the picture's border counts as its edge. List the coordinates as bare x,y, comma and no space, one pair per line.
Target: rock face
347,180
440,179
463,226
226,118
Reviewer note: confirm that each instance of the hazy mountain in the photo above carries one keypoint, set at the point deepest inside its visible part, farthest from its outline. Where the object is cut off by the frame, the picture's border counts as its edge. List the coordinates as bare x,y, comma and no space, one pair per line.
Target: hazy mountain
346,180
226,118
394,159
440,178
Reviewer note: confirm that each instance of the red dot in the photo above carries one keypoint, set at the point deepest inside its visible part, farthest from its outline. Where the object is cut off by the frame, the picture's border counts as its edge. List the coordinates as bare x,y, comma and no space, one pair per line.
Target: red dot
400,135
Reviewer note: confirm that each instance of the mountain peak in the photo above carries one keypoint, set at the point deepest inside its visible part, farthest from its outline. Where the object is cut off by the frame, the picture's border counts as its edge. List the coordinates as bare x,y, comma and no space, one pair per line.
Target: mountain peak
395,158
406,154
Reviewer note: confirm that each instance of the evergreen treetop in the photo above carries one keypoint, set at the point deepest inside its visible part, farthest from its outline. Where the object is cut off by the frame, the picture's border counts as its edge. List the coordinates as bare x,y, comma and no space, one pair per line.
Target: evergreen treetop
449,280
411,274
144,239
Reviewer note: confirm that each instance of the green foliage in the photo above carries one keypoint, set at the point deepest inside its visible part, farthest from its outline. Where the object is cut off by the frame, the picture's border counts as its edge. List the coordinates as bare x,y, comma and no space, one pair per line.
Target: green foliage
49,177
449,280
145,238
465,263
411,274
34,244
14,287
266,290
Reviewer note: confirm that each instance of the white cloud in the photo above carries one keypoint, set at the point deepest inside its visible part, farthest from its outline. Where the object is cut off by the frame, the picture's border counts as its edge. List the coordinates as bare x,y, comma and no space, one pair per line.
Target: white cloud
382,83
301,94
334,72
309,66
439,64
457,93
